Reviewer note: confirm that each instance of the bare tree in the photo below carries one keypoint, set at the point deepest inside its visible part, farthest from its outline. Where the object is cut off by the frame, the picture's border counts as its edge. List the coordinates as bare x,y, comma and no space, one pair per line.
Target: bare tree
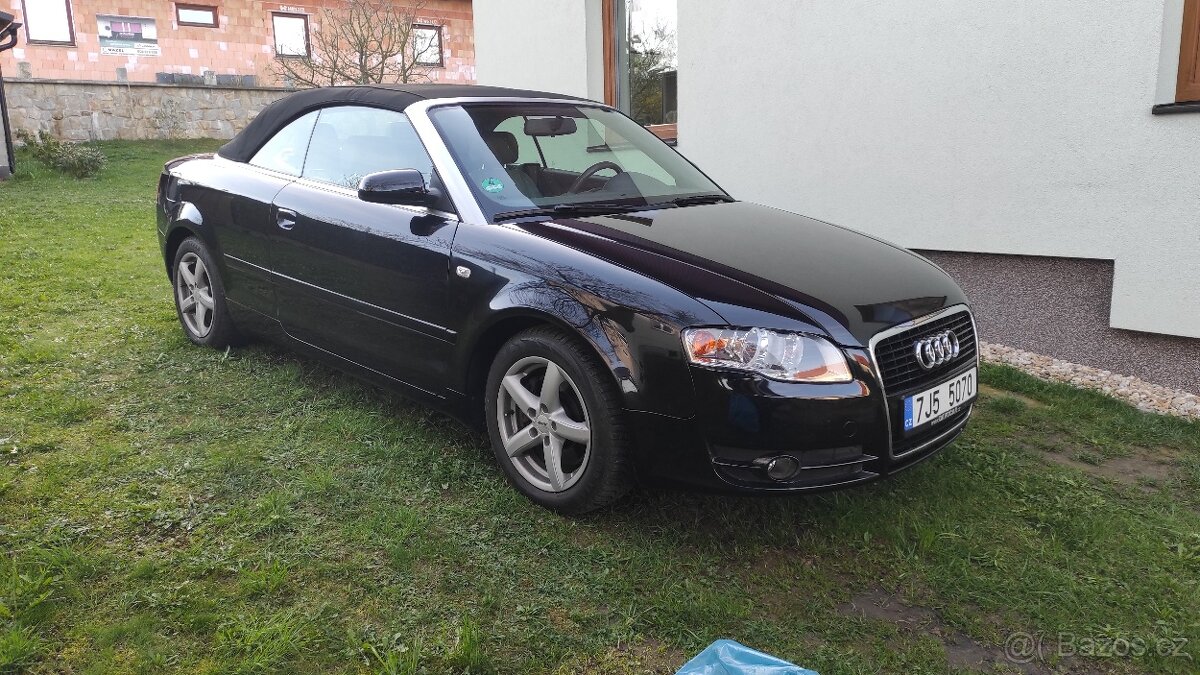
364,42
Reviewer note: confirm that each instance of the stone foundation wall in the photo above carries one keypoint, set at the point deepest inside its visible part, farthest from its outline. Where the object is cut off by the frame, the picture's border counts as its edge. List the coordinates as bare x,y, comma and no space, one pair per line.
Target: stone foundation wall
88,111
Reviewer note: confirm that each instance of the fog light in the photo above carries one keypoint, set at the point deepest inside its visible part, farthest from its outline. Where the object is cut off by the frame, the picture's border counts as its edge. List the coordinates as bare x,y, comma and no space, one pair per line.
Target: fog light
779,468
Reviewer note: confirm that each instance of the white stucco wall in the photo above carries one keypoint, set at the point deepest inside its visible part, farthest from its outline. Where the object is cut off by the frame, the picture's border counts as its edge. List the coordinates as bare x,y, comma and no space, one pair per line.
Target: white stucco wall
551,45
1000,127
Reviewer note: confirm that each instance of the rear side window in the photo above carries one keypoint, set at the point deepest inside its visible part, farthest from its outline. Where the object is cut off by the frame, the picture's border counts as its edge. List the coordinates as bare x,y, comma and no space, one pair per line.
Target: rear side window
350,142
285,151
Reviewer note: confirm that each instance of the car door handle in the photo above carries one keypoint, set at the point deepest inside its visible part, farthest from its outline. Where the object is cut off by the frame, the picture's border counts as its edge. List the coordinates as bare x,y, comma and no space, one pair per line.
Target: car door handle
285,218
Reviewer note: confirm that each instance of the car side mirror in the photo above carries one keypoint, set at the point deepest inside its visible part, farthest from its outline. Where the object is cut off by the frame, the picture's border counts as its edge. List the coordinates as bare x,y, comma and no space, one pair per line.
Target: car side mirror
401,186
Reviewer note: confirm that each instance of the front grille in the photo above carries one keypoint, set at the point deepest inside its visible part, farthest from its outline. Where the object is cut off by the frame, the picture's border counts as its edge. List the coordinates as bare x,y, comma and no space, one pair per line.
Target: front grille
898,366
903,376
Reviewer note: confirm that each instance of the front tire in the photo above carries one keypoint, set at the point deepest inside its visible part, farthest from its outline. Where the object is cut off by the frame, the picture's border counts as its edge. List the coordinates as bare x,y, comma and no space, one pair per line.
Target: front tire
200,296
555,422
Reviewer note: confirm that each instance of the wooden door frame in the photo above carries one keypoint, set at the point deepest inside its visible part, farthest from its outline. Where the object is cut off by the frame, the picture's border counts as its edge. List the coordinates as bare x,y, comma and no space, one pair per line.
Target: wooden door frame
1187,87
608,10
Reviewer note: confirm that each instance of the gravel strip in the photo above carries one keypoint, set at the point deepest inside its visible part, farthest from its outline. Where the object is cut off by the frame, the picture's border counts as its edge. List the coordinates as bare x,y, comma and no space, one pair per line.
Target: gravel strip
1137,392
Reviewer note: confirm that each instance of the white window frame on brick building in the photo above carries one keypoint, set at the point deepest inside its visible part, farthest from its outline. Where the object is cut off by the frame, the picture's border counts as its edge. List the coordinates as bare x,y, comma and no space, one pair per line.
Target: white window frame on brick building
49,23
289,46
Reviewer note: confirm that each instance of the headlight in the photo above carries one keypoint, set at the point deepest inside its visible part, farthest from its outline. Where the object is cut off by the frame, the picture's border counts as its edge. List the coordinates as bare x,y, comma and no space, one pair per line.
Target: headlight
790,357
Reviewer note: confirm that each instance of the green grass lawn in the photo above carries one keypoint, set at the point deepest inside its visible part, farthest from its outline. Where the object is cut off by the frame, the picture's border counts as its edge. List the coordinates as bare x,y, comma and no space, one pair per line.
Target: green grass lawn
169,508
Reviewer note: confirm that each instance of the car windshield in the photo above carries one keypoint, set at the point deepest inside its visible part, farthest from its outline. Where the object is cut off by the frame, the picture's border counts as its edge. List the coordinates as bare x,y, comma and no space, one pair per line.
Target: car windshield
524,159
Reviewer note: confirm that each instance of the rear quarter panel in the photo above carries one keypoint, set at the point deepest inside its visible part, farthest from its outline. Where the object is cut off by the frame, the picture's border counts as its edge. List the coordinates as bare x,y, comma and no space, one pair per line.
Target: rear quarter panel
228,206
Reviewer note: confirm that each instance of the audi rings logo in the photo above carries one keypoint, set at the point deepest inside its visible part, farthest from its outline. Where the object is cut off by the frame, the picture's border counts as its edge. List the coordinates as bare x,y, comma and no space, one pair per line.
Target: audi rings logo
936,350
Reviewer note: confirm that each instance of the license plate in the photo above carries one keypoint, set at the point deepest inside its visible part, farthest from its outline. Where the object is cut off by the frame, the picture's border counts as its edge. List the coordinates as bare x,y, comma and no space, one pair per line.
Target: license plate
934,405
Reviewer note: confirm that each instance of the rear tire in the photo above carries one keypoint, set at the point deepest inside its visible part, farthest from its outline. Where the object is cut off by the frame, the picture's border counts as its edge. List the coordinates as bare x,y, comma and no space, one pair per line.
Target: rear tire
564,448
200,296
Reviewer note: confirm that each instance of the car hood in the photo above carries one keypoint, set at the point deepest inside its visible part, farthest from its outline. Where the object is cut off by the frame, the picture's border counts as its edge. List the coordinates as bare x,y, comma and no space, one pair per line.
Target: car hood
751,263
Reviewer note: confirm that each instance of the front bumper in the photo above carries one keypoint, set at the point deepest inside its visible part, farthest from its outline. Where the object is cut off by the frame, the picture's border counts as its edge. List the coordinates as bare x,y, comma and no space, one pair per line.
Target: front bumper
841,435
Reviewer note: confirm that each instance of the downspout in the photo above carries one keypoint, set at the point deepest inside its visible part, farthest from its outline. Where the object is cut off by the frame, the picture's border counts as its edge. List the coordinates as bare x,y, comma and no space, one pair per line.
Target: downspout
8,40
11,165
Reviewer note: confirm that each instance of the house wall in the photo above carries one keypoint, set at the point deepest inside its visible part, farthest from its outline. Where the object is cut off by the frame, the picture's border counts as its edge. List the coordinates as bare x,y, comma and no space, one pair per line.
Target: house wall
1059,307
1006,127
242,45
550,45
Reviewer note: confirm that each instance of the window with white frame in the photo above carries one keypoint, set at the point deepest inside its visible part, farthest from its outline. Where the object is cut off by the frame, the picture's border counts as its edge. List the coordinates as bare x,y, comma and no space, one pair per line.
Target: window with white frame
48,21
291,34
427,45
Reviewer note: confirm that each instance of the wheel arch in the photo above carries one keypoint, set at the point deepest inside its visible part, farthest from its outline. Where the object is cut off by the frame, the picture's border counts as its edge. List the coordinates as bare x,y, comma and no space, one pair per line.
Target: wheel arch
174,239
482,348
187,222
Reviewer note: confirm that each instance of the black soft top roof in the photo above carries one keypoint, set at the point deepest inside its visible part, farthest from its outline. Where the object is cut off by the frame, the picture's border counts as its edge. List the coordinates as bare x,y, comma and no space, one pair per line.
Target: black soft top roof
390,96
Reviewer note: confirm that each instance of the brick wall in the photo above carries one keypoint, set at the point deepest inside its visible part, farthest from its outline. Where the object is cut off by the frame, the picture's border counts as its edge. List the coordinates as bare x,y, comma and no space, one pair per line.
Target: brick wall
81,111
241,45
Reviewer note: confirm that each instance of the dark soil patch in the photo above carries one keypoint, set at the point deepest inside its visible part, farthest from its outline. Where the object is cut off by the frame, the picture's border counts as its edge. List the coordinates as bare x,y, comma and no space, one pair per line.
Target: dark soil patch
1145,465
962,652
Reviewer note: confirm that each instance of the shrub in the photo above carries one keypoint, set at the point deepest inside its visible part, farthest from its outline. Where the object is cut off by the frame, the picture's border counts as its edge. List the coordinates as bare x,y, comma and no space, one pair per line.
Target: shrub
43,147
80,161
74,159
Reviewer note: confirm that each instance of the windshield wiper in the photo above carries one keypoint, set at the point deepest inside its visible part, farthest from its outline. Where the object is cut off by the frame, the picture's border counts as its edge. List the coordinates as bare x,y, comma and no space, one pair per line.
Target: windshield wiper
594,208
601,208
697,200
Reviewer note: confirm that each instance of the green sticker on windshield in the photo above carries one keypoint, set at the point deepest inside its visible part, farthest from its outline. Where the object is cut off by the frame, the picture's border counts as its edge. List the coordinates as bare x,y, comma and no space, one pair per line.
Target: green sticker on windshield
492,185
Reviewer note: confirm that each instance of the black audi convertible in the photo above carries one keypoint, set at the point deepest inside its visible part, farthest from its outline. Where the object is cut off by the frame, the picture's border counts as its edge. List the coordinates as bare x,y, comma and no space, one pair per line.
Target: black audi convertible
546,268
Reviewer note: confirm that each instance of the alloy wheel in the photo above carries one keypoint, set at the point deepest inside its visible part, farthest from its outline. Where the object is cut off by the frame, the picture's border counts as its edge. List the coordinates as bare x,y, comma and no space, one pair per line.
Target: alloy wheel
193,289
543,424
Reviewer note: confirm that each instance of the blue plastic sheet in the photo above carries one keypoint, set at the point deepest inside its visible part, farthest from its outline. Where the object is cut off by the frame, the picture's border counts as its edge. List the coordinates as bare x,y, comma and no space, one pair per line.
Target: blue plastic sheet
726,657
